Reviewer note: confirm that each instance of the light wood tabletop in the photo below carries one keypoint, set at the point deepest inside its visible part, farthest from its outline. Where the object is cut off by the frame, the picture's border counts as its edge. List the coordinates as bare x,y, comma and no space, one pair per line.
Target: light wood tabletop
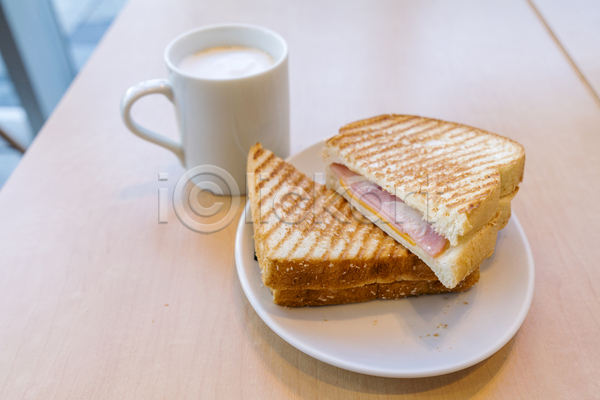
99,301
575,25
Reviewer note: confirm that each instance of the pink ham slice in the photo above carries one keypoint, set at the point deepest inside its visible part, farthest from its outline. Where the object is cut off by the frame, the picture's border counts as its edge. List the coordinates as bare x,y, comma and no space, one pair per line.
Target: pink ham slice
393,210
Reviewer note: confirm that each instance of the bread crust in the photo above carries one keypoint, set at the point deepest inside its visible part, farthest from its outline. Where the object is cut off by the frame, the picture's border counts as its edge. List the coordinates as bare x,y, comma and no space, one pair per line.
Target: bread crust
394,290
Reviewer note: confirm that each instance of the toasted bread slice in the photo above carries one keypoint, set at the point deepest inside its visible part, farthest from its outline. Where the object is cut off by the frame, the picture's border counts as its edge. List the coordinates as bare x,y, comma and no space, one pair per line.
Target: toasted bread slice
317,242
453,173
393,290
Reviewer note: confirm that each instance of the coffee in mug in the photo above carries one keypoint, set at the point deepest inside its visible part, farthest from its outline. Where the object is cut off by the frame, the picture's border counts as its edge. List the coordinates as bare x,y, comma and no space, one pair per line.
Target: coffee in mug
226,62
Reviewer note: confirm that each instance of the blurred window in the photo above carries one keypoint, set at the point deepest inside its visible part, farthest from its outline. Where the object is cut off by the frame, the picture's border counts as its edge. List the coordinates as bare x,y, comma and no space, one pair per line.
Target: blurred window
43,45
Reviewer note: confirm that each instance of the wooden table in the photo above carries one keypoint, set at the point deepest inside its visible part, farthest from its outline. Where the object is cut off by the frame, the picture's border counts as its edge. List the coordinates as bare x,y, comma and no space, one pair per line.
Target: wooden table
575,27
100,301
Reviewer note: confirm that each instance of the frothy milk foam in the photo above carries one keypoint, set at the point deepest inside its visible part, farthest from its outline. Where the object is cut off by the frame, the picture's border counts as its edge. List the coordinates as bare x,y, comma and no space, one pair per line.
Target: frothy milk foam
226,62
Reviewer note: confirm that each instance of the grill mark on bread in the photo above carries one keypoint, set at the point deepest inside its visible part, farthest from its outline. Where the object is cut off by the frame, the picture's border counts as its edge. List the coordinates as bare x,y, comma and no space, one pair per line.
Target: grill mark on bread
431,162
379,145
378,129
450,185
300,181
377,134
323,192
258,153
282,181
348,132
260,167
378,249
375,123
365,122
311,225
274,172
450,182
410,139
457,172
365,238
480,193
492,163
469,205
351,240
449,191
449,168
300,177
260,184
358,151
343,208
378,155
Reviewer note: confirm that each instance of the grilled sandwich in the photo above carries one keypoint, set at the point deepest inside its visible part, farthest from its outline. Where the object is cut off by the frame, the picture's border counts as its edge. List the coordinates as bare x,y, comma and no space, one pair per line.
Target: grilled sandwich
441,189
314,249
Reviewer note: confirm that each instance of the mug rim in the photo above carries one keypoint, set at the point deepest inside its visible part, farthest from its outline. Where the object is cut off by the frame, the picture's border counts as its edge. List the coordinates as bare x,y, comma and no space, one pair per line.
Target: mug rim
190,32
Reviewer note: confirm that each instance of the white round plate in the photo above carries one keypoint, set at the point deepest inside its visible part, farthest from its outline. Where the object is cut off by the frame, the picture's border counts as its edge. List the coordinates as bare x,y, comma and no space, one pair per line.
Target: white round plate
408,338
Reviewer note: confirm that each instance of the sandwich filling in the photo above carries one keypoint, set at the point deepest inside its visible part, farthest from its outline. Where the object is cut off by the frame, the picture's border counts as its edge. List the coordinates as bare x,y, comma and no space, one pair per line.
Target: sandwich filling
403,219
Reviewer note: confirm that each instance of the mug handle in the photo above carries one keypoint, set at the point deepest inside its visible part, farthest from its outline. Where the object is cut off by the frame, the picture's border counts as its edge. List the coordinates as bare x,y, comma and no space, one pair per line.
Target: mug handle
153,86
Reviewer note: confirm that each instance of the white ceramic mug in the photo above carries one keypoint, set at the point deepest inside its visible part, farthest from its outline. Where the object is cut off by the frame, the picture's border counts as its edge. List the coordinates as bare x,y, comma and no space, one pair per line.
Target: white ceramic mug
220,119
